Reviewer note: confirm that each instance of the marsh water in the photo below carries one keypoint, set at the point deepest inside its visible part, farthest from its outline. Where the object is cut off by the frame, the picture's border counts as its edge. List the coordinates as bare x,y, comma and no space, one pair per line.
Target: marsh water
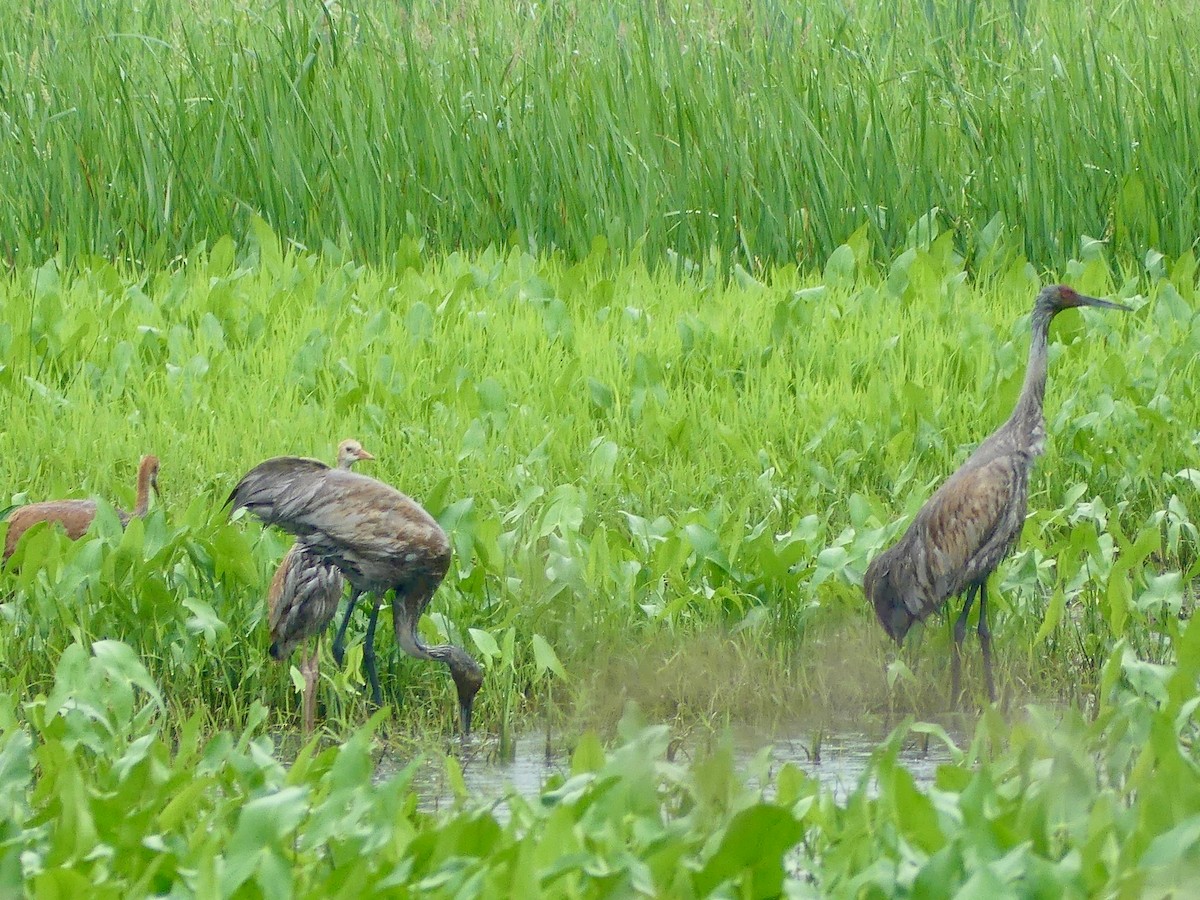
836,758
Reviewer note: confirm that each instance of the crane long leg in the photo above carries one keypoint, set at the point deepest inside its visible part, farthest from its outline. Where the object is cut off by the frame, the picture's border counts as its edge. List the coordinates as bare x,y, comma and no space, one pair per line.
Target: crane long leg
960,631
310,668
369,652
985,642
339,640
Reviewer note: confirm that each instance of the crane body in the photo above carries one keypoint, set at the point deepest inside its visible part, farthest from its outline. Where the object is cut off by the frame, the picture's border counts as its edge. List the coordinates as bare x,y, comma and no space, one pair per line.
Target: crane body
303,600
973,521
75,516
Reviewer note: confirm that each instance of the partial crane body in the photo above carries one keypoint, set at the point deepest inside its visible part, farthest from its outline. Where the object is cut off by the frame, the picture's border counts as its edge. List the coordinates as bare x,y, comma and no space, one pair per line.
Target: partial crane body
379,538
303,600
974,519
75,516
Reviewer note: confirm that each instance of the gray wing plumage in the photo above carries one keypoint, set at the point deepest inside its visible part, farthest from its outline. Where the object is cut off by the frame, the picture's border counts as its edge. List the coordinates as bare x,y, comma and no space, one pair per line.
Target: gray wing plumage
275,490
379,537
960,535
971,524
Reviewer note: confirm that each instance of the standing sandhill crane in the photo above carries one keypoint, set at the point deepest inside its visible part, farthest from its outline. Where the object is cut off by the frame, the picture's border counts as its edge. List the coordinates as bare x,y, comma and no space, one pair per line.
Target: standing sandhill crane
303,599
75,516
379,538
974,519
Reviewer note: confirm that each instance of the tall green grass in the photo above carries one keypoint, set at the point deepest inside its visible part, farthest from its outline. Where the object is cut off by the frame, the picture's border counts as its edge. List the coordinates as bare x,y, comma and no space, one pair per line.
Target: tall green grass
715,132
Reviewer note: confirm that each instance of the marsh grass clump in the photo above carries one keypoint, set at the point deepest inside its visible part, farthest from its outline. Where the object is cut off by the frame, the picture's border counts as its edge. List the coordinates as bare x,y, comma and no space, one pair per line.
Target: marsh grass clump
693,135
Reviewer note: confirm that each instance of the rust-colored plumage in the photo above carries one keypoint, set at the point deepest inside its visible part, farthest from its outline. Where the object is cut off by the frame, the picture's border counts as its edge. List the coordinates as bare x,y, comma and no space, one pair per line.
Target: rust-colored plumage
379,538
303,599
75,516
974,519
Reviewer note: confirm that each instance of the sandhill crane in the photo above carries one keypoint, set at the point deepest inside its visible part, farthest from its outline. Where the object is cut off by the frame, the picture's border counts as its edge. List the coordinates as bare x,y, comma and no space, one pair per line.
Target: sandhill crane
303,599
379,538
974,519
75,516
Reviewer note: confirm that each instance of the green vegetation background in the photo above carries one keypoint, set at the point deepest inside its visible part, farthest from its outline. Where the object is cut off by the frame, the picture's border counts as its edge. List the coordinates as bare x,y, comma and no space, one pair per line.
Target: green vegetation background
672,314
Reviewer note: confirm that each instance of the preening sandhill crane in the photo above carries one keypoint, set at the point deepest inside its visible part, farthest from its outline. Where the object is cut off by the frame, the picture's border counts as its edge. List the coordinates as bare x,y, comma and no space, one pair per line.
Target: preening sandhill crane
75,516
974,519
303,599
379,538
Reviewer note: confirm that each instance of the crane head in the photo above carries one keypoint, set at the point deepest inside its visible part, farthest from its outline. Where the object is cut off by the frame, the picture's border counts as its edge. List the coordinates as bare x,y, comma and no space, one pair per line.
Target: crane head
351,451
883,590
468,677
1056,297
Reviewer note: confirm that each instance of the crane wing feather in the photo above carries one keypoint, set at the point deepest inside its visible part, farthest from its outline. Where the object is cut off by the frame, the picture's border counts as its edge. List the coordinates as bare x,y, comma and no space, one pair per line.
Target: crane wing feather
367,528
272,488
969,523
303,597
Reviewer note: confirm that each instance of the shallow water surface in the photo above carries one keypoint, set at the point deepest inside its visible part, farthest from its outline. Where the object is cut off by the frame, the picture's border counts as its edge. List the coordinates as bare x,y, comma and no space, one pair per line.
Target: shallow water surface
838,763
844,756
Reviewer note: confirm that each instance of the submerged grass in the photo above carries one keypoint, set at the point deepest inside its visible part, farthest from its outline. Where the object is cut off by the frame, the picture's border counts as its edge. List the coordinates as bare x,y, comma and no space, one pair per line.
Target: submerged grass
696,133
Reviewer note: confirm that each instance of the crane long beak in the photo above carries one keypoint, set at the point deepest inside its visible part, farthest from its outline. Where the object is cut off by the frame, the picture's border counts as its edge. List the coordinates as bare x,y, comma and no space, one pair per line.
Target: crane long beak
1103,304
464,710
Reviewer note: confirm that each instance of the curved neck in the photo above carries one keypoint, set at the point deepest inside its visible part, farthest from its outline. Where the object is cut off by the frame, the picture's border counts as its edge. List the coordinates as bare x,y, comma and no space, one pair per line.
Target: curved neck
405,621
143,491
1028,411
406,633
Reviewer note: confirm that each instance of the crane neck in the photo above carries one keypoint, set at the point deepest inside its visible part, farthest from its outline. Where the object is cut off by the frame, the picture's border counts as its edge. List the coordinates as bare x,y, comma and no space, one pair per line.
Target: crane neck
405,618
1028,411
143,493
406,635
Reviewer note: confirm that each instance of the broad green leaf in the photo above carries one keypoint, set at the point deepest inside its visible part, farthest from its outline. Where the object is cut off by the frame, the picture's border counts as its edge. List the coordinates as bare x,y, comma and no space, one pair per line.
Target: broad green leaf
1054,613
588,755
545,657
485,642
751,852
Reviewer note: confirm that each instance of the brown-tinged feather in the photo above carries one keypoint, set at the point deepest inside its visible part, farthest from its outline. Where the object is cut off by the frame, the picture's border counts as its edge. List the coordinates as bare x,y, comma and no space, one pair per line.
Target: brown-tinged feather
75,516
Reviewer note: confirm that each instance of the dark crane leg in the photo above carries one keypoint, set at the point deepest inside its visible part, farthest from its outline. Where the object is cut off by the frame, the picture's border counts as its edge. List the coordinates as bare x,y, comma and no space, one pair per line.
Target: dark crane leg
369,652
960,631
985,641
339,640
339,644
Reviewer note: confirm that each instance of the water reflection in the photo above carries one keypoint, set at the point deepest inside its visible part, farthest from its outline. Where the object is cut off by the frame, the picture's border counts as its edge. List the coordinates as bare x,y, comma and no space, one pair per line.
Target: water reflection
843,757
836,759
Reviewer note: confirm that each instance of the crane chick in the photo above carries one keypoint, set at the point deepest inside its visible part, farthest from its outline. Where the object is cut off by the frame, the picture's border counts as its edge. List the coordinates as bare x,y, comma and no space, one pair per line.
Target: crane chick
303,599
75,516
